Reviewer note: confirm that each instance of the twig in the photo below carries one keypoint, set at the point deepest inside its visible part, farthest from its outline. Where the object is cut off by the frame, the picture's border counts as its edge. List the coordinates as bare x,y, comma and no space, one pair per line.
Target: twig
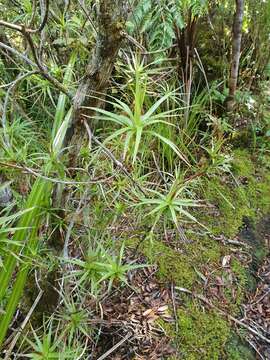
22,28
43,71
174,308
159,171
34,9
17,53
45,12
135,42
44,7
71,224
201,67
255,348
56,181
66,265
222,312
116,346
16,337
261,298
88,17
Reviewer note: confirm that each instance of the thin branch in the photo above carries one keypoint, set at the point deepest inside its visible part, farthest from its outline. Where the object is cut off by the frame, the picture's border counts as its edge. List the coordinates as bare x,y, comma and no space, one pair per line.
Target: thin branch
71,224
34,9
201,67
10,25
17,53
53,180
116,346
44,72
45,11
22,28
174,308
162,177
42,32
88,17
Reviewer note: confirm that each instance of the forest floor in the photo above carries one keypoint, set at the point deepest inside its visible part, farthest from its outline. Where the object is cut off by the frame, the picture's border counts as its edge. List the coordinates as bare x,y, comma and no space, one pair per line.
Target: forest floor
207,298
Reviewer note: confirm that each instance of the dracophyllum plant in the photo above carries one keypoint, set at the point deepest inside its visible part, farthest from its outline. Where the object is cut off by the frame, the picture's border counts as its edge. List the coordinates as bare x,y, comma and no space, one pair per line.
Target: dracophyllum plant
174,204
136,121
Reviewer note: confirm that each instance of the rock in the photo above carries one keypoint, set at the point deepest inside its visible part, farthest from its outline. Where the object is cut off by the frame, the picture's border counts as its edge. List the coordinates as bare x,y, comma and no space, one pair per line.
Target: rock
5,194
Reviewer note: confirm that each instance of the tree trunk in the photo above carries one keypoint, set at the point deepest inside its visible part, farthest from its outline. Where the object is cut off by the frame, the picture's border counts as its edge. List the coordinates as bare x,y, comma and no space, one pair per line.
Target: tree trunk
112,15
186,38
236,52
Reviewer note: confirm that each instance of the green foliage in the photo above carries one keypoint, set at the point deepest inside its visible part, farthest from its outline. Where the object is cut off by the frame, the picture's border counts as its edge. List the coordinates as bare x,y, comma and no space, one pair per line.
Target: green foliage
137,121
174,204
219,162
48,346
74,319
173,138
100,267
27,235
158,20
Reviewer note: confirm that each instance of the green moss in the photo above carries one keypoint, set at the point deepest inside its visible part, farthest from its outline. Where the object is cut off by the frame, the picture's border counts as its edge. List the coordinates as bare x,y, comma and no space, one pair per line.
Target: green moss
180,267
208,341
207,335
242,164
263,198
241,274
230,206
256,190
172,266
237,196
237,349
201,335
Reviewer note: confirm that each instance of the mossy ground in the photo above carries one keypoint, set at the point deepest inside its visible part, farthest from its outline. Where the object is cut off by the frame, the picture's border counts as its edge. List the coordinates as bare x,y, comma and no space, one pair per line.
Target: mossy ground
204,333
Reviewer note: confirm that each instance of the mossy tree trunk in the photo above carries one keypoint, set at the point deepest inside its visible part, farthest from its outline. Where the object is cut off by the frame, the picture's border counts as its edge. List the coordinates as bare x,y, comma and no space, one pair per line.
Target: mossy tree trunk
112,15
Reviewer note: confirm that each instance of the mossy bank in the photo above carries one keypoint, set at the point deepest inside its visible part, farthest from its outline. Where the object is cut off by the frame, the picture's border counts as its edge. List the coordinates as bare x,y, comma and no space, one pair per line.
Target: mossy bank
211,265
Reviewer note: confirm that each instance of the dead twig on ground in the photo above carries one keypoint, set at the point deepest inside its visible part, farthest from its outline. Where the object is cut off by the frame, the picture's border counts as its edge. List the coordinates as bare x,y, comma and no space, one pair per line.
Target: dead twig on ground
24,323
116,346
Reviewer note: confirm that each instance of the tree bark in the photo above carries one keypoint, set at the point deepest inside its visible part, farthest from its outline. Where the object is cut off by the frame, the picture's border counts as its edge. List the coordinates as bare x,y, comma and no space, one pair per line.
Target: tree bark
112,16
236,52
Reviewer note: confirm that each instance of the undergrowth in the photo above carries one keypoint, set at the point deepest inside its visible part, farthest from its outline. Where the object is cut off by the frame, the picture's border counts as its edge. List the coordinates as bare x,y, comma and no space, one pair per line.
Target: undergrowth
149,207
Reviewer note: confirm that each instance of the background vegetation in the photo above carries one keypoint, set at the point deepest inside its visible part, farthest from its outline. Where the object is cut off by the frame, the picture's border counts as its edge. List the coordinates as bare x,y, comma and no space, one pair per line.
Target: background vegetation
134,149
